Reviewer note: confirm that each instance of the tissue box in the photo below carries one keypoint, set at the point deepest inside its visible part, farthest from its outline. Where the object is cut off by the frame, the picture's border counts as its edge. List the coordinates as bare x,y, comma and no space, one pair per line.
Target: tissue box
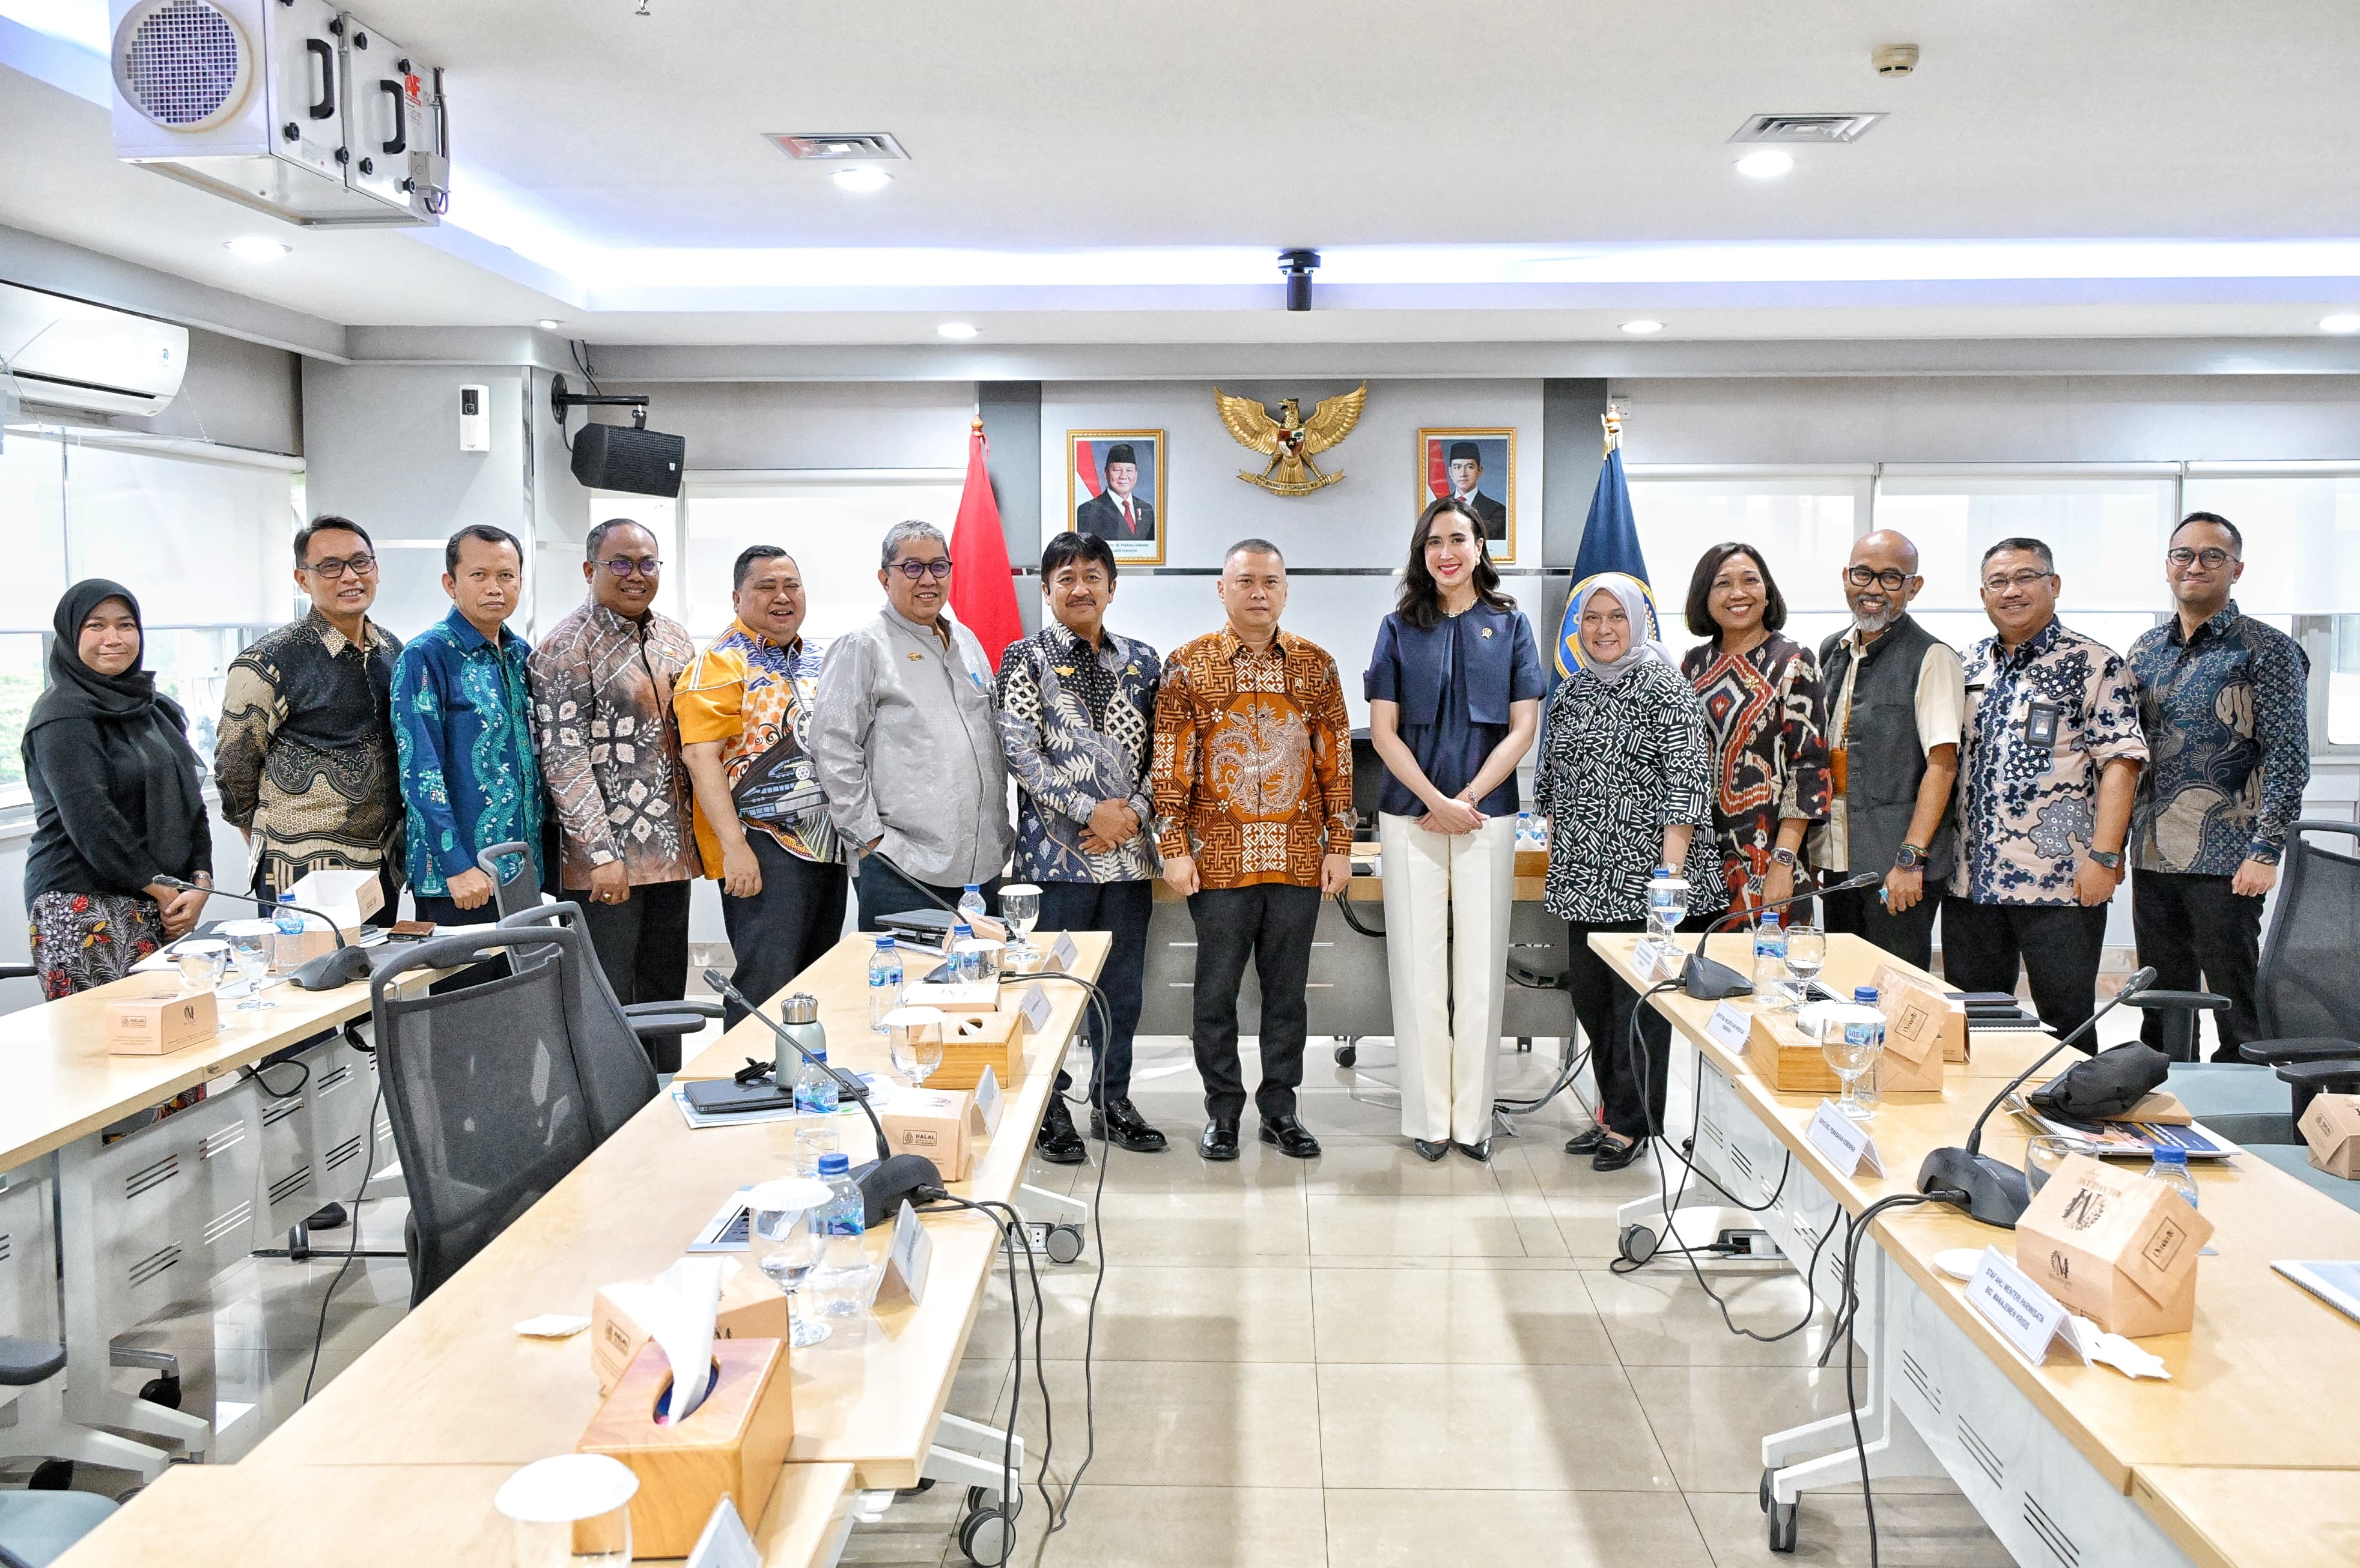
2114,1247
974,1038
2331,1125
919,1121
732,1446
1917,1026
347,898
1787,1058
751,1308
158,1025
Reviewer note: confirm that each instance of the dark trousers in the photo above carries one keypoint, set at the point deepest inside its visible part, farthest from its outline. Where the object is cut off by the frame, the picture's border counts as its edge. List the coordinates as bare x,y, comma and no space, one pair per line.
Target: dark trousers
1908,936
784,928
1630,1093
1271,923
885,891
2200,937
641,942
1123,909
2058,946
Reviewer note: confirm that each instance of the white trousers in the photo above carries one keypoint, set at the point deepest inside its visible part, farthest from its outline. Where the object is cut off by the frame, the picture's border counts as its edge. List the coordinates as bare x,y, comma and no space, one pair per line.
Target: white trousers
1447,993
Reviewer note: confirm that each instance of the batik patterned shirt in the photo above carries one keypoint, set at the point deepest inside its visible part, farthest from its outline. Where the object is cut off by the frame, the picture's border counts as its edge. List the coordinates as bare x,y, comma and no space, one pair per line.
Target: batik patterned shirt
1766,715
1625,759
756,697
1254,760
602,713
2227,723
463,724
2043,720
1078,725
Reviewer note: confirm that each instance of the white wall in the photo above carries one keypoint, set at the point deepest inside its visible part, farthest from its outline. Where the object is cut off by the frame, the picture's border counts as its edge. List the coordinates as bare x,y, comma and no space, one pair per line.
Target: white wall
777,424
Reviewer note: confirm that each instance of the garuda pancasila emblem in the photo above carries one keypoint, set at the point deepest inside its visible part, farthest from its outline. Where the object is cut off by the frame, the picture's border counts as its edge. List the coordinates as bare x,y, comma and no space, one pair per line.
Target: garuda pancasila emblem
1289,439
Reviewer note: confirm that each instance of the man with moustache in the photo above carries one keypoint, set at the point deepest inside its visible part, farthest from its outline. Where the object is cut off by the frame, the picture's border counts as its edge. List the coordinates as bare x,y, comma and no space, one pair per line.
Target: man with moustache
1115,512
1896,694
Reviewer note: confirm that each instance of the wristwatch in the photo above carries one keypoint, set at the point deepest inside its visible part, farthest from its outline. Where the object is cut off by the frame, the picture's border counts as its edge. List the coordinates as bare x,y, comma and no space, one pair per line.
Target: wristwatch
1784,857
2111,859
1910,858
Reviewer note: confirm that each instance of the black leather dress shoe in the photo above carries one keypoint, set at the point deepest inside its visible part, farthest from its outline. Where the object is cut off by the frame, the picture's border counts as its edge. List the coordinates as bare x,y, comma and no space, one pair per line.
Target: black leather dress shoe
1430,1148
1121,1125
1057,1142
1586,1141
1479,1151
1221,1139
1614,1157
1293,1139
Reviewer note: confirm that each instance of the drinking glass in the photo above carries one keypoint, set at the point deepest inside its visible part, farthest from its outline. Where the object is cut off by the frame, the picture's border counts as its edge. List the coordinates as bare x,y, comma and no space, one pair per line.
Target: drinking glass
2042,1156
202,961
1019,908
785,1248
1851,1056
1807,950
569,1512
812,1141
915,1045
250,944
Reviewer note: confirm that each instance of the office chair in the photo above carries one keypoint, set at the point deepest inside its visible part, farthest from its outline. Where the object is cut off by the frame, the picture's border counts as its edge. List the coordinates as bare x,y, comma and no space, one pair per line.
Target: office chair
618,1054
485,1088
510,895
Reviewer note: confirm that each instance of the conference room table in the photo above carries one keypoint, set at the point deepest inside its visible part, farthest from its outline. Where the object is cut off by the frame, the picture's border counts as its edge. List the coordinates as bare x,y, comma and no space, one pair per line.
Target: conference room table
2260,1387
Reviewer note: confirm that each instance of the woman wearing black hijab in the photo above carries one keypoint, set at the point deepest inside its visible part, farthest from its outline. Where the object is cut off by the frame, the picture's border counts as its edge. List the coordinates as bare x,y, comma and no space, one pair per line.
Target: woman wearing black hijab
116,800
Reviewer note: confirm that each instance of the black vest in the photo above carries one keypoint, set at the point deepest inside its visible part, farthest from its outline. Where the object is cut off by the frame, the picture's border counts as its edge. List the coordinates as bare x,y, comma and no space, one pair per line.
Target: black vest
1884,761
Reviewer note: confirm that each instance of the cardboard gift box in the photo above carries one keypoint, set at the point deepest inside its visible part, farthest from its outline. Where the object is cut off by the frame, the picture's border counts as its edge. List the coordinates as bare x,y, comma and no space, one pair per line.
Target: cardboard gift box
1916,1025
751,1308
976,1038
732,1446
346,897
158,1025
2114,1247
1957,1046
923,1122
2331,1125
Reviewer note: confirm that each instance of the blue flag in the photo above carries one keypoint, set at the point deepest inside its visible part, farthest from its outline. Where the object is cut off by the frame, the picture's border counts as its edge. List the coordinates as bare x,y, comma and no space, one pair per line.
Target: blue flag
1609,542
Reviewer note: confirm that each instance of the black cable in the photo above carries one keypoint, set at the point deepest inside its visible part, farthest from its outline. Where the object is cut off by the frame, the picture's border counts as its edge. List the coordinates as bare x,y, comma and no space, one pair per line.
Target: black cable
1011,1484
1344,907
352,1220
1851,1399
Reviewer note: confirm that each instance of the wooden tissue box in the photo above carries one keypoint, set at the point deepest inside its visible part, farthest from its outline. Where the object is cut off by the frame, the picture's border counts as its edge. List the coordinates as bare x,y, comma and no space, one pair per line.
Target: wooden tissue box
159,1025
974,1039
1787,1058
733,1445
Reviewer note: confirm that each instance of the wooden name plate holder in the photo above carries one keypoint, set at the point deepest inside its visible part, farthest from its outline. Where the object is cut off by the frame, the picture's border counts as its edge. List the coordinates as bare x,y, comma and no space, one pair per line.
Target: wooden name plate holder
733,1445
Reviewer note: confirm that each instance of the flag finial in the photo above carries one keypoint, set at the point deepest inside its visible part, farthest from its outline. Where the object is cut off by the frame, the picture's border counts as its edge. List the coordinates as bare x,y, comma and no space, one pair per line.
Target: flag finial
1612,422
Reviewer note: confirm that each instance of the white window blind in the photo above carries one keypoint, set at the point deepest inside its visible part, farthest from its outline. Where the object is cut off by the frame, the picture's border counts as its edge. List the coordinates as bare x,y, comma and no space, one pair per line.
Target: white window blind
832,522
202,543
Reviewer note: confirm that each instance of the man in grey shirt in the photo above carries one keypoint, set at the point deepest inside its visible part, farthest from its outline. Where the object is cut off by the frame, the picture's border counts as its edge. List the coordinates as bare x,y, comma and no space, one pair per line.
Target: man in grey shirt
906,745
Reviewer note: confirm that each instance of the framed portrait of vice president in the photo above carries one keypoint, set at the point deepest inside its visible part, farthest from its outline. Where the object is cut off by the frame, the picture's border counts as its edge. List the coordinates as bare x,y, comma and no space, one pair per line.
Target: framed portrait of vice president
1114,488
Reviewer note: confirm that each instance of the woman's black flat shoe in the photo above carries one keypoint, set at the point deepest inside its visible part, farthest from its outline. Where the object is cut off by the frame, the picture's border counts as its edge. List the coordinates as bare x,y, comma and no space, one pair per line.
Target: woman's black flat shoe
1479,1151
1615,1156
1587,1142
1430,1149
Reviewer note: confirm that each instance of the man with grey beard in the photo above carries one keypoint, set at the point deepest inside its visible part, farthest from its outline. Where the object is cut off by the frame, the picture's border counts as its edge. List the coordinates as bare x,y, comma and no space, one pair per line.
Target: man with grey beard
1895,699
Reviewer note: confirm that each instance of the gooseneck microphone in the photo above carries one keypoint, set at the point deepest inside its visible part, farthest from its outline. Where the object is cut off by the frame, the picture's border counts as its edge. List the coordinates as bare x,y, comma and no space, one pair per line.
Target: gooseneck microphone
1707,980
1993,1191
325,973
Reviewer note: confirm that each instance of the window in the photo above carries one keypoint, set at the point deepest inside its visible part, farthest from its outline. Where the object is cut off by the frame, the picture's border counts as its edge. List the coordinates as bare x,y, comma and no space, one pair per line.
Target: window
833,522
1804,523
2301,528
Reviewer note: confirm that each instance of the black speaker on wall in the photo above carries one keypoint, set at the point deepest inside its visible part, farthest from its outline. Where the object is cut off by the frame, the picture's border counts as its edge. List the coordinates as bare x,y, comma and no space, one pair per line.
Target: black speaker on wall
624,458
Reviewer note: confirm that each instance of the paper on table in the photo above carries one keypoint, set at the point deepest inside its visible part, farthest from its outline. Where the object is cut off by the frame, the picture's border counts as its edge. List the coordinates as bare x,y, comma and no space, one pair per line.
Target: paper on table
682,1303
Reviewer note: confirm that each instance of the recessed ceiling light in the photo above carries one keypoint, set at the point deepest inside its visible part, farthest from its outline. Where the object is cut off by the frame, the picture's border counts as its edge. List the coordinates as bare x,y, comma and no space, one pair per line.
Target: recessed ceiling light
550,323
254,247
1767,164
862,180
2344,322
955,329
1640,329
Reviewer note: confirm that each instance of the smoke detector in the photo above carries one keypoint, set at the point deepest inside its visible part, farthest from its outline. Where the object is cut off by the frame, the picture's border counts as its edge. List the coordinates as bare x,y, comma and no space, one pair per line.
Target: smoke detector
1894,60
1789,128
836,146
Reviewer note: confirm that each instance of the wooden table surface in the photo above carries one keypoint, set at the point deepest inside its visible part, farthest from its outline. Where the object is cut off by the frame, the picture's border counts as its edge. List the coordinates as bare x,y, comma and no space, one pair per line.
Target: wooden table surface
2265,1377
386,1515
2235,1518
452,1383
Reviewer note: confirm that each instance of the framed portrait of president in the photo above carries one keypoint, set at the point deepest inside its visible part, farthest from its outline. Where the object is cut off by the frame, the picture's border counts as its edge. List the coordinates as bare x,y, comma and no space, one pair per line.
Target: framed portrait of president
1480,467
1114,488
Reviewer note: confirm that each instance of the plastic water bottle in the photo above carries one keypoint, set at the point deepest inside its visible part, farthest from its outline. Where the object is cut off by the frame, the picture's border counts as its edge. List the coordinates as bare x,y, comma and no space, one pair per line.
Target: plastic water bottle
962,962
970,906
1667,903
2170,1167
818,1093
1769,958
289,944
884,983
843,1256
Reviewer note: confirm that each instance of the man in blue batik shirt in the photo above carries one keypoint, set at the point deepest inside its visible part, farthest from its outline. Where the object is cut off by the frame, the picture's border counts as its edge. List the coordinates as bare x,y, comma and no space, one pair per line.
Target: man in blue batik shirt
1077,706
2223,700
462,728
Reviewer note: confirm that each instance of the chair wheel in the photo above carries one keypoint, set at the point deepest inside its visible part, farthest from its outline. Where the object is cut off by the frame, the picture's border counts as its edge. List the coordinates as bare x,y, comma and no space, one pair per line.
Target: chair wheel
52,1475
1063,1243
1763,1496
987,1539
164,1391
985,1500
1783,1525
1637,1244
1348,1054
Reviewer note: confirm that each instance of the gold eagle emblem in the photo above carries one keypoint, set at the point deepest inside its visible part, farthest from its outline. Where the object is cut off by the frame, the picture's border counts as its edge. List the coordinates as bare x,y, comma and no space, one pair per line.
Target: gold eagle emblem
1290,440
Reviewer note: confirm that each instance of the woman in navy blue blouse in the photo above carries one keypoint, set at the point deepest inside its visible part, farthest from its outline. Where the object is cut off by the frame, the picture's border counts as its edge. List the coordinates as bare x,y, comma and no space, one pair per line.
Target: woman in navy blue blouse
1454,691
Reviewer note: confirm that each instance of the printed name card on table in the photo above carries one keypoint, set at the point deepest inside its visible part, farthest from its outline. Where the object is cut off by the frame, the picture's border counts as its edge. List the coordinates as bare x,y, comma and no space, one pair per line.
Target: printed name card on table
2026,1316
1660,960
1063,954
1847,1143
987,1102
907,1260
1036,1007
1727,1028
725,1543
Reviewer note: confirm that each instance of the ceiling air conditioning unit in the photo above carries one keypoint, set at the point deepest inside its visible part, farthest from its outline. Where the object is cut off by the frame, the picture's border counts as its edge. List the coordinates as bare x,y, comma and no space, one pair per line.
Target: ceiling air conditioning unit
290,106
69,354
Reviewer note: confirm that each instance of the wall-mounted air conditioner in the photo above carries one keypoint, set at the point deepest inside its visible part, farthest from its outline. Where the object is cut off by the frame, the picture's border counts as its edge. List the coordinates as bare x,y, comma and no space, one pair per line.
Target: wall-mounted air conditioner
69,354
291,107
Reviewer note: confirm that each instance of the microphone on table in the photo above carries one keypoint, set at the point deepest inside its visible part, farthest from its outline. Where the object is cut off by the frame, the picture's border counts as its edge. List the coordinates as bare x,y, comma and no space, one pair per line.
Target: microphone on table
1991,1190
325,973
1707,980
885,1180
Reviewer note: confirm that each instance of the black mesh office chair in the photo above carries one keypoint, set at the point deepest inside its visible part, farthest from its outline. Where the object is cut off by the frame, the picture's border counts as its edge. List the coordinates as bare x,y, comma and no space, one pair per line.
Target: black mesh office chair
484,1088
618,1052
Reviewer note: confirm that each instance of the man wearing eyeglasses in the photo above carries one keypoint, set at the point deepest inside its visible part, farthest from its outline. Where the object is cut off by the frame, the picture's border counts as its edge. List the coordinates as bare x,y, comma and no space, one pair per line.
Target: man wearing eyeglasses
305,760
2048,758
2223,699
610,751
1895,698
907,743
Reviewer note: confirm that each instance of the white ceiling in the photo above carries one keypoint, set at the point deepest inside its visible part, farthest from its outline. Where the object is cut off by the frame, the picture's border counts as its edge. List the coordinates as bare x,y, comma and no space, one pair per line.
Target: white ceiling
591,139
